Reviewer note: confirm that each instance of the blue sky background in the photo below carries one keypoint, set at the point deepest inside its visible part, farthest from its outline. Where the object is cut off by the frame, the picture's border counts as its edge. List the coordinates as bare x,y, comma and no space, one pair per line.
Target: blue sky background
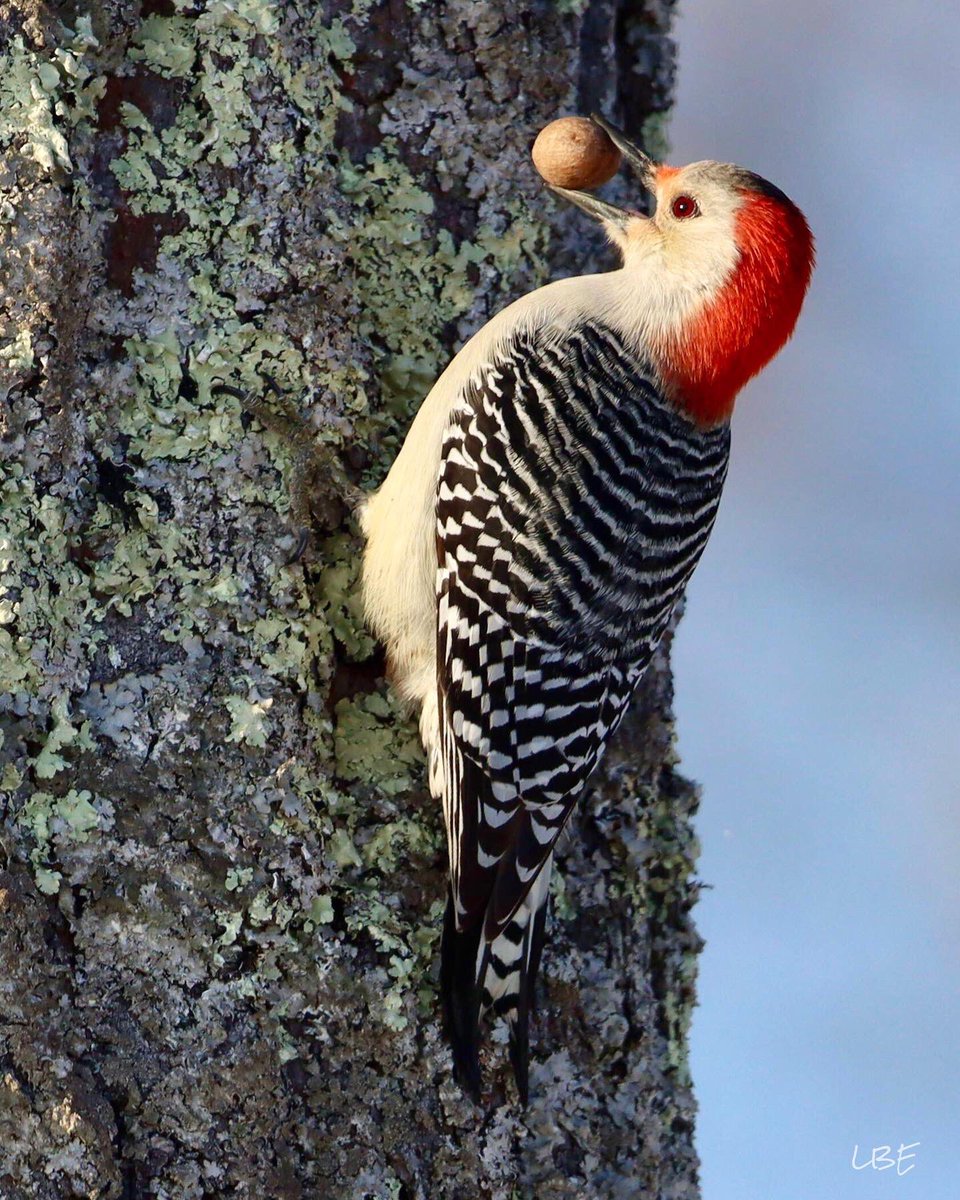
818,673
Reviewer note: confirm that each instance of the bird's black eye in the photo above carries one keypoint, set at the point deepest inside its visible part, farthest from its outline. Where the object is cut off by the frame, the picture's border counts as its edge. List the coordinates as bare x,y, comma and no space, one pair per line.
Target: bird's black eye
684,206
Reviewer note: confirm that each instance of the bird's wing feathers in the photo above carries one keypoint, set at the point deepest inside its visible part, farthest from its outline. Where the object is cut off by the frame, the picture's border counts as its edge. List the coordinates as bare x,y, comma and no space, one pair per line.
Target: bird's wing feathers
519,734
571,508
560,561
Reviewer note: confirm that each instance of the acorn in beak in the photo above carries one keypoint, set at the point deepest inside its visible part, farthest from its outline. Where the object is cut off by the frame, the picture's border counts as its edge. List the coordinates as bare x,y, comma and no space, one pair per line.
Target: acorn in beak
641,164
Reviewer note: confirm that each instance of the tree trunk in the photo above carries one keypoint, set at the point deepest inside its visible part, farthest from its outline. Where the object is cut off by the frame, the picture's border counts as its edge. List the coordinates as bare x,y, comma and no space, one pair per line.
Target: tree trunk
222,876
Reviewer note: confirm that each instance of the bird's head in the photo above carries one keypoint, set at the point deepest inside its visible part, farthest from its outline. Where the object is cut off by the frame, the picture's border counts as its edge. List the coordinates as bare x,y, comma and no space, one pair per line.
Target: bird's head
714,278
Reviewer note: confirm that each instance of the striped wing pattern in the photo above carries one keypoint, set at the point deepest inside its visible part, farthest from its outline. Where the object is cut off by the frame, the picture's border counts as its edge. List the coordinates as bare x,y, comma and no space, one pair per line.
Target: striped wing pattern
573,504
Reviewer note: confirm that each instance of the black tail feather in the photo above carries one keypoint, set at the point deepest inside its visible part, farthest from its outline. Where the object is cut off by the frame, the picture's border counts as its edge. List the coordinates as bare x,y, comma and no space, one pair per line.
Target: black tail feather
462,989
537,935
461,998
520,1044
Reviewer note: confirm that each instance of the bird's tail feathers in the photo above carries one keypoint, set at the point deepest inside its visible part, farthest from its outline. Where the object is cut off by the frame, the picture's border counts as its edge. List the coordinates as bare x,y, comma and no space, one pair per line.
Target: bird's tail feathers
460,993
478,975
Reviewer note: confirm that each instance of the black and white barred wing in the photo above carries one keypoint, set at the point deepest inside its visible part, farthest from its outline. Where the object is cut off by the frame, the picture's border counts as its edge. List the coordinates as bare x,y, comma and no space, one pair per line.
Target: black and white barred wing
572,507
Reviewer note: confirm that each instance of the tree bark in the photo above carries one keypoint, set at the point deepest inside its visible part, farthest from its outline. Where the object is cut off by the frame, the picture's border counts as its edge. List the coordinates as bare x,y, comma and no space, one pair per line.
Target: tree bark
222,876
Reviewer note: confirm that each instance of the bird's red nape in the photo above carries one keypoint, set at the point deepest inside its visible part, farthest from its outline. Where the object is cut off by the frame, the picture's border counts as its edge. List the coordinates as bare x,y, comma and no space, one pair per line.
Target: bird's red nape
736,335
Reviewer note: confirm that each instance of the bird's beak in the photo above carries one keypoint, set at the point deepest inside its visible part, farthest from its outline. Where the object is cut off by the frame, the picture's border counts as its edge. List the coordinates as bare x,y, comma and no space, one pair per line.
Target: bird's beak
599,209
641,164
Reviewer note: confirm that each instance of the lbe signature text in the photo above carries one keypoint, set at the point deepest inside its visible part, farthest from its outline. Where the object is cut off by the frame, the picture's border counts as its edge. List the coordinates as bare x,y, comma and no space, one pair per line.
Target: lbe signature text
882,1158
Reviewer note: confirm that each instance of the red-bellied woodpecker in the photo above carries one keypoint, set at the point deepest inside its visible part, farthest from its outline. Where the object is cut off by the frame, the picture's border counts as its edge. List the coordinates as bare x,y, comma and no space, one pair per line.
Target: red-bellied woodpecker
528,547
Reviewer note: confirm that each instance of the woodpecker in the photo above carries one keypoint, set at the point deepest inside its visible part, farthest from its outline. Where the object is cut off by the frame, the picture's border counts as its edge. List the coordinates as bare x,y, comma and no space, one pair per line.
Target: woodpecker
528,547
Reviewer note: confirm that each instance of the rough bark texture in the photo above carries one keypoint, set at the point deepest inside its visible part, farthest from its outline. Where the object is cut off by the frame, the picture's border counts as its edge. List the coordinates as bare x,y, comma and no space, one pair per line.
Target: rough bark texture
221,876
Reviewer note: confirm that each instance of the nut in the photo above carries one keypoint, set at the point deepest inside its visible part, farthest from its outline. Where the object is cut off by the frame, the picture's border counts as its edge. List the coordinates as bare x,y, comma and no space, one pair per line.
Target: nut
574,153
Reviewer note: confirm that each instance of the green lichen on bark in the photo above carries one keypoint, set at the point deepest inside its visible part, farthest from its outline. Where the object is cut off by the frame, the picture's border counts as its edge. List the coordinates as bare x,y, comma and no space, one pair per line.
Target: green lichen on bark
239,239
